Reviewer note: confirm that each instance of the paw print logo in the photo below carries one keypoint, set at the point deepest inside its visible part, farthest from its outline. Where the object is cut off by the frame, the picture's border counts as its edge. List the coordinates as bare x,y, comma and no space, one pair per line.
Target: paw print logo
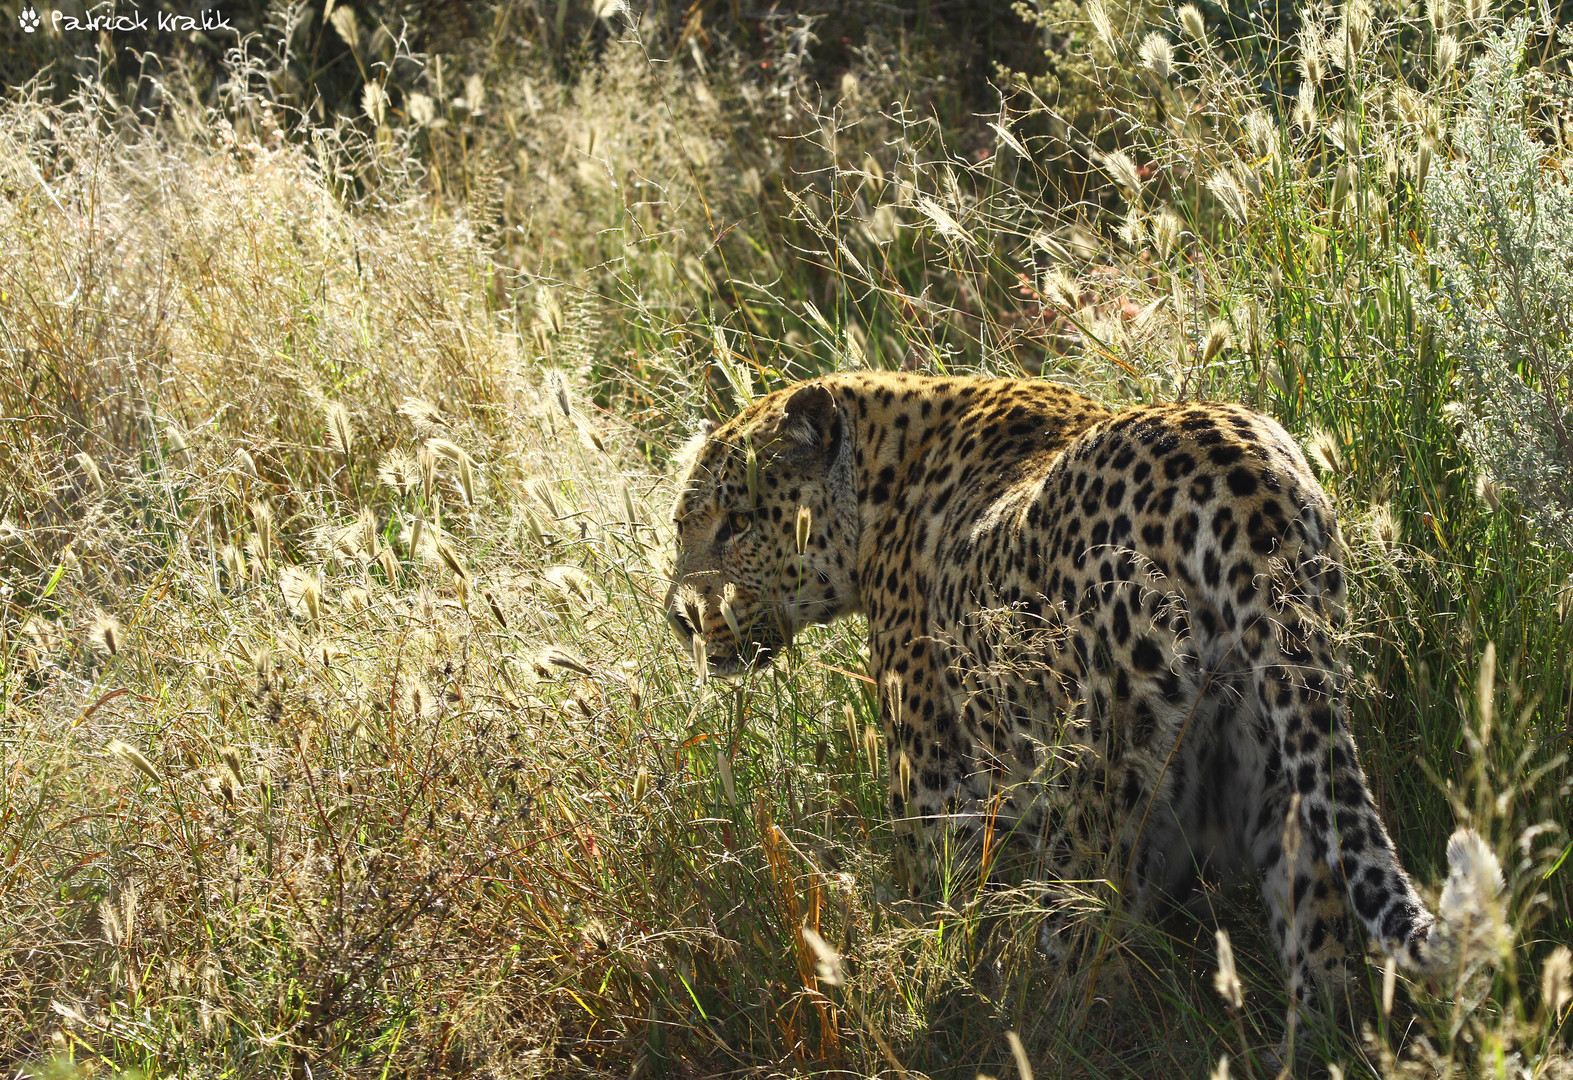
29,20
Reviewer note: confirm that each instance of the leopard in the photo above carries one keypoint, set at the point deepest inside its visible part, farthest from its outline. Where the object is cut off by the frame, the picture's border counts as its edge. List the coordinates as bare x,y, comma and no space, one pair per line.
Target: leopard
1110,638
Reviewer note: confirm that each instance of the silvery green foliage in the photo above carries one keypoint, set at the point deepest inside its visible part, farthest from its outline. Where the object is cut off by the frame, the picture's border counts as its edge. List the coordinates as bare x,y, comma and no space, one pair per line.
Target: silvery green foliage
1502,227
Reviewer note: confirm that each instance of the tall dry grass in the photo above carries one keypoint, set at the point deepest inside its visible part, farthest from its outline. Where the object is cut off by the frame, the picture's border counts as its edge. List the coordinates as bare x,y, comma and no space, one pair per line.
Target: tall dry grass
343,732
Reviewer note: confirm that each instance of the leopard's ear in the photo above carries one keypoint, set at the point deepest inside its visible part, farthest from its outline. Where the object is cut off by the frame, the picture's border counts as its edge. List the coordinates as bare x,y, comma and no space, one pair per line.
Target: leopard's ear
810,420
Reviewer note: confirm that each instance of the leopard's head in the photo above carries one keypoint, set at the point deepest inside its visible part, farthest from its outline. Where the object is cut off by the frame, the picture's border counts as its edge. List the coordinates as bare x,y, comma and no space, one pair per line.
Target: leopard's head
767,528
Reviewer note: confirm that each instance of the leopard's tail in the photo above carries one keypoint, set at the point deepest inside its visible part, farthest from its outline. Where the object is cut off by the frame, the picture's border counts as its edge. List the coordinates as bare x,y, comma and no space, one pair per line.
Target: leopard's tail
1299,680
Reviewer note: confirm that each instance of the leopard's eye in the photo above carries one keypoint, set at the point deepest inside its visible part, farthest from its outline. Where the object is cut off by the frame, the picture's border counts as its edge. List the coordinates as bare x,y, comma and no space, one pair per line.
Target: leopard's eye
740,522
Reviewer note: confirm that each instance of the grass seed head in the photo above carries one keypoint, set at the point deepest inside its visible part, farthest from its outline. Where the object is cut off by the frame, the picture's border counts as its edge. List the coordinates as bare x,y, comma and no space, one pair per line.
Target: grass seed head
1556,982
134,758
451,559
1122,170
1227,979
729,613
804,528
1326,453
1191,21
1102,24
262,523
425,417
556,657
495,608
1225,187
106,633
85,464
302,591
827,962
397,470
1157,54
1216,341
340,433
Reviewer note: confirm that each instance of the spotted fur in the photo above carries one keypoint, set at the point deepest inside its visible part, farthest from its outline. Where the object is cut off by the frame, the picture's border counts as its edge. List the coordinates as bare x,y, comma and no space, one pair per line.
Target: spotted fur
1109,636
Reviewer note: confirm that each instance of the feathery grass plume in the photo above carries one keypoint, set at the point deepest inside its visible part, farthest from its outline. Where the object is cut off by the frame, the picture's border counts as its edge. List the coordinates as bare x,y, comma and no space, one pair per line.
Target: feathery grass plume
302,591
1474,922
1225,187
135,758
1476,12
723,769
1216,341
105,633
396,469
1354,30
1166,229
1227,980
701,659
1384,526
1062,290
541,492
420,701
374,102
1446,54
89,470
261,660
1326,452
1305,108
340,433
1312,53
554,656
1488,491
245,462
1157,54
532,525
175,442
425,417
495,608
729,612
230,756
827,962
549,318
450,558
630,514
1122,170
1262,133
389,563
737,379
1019,1053
1485,696
570,582
233,559
1191,21
641,785
355,598
343,20
945,225
1556,983
751,472
871,741
1440,13
804,528
262,524
417,535
1102,25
